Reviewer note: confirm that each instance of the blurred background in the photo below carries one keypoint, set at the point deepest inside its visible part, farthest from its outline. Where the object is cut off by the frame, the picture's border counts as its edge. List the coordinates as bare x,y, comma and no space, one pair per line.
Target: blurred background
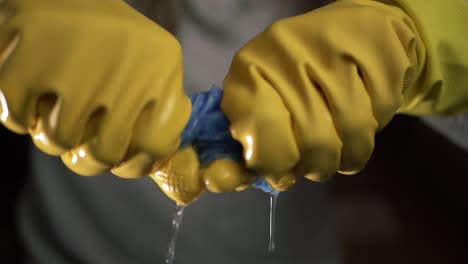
407,206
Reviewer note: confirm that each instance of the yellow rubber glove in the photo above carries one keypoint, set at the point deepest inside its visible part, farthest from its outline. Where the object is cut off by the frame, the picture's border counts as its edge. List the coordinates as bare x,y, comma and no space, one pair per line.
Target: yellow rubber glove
92,81
209,157
183,180
308,94
442,89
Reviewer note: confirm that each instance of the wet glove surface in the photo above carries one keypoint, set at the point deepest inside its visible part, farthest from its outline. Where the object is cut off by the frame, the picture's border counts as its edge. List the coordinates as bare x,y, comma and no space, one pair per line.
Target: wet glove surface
209,157
306,96
93,81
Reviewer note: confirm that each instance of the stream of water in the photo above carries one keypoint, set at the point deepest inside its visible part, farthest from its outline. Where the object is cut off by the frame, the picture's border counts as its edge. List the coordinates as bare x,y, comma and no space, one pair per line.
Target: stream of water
176,223
273,200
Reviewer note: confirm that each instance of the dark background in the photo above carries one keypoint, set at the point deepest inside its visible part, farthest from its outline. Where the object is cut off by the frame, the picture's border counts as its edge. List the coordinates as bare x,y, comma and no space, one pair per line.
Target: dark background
13,173
407,206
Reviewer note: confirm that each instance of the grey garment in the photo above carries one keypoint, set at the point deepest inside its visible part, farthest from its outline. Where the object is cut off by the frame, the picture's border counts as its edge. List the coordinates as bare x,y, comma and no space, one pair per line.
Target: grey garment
67,218
453,128
212,31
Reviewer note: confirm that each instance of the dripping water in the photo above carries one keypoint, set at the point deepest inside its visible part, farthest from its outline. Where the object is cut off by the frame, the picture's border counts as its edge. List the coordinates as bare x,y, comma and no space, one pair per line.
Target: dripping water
273,199
176,222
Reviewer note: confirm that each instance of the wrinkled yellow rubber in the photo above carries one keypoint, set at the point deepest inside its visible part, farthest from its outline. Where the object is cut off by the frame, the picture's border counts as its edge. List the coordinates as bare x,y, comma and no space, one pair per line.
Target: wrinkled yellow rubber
442,87
308,94
93,73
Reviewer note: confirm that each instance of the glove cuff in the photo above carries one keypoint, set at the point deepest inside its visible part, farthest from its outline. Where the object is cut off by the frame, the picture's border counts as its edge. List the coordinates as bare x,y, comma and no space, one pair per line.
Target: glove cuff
441,86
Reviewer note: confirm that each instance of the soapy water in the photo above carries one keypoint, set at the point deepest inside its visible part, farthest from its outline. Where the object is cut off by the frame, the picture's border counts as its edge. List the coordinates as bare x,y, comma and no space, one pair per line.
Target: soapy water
273,202
176,223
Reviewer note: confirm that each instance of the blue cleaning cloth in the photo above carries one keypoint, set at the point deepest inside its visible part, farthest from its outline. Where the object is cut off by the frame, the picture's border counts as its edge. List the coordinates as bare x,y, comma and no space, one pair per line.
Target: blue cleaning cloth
208,131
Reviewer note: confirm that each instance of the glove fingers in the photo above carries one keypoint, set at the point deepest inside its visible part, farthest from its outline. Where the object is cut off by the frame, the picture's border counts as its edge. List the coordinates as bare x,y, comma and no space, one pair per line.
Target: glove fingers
261,121
159,127
139,164
357,150
128,117
179,176
171,110
352,113
112,138
81,161
225,175
16,113
316,134
123,111
319,143
136,163
44,129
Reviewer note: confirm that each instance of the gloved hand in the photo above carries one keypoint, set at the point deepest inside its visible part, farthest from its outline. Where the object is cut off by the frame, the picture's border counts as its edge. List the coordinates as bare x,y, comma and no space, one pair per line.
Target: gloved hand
92,81
306,96
209,158
183,179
